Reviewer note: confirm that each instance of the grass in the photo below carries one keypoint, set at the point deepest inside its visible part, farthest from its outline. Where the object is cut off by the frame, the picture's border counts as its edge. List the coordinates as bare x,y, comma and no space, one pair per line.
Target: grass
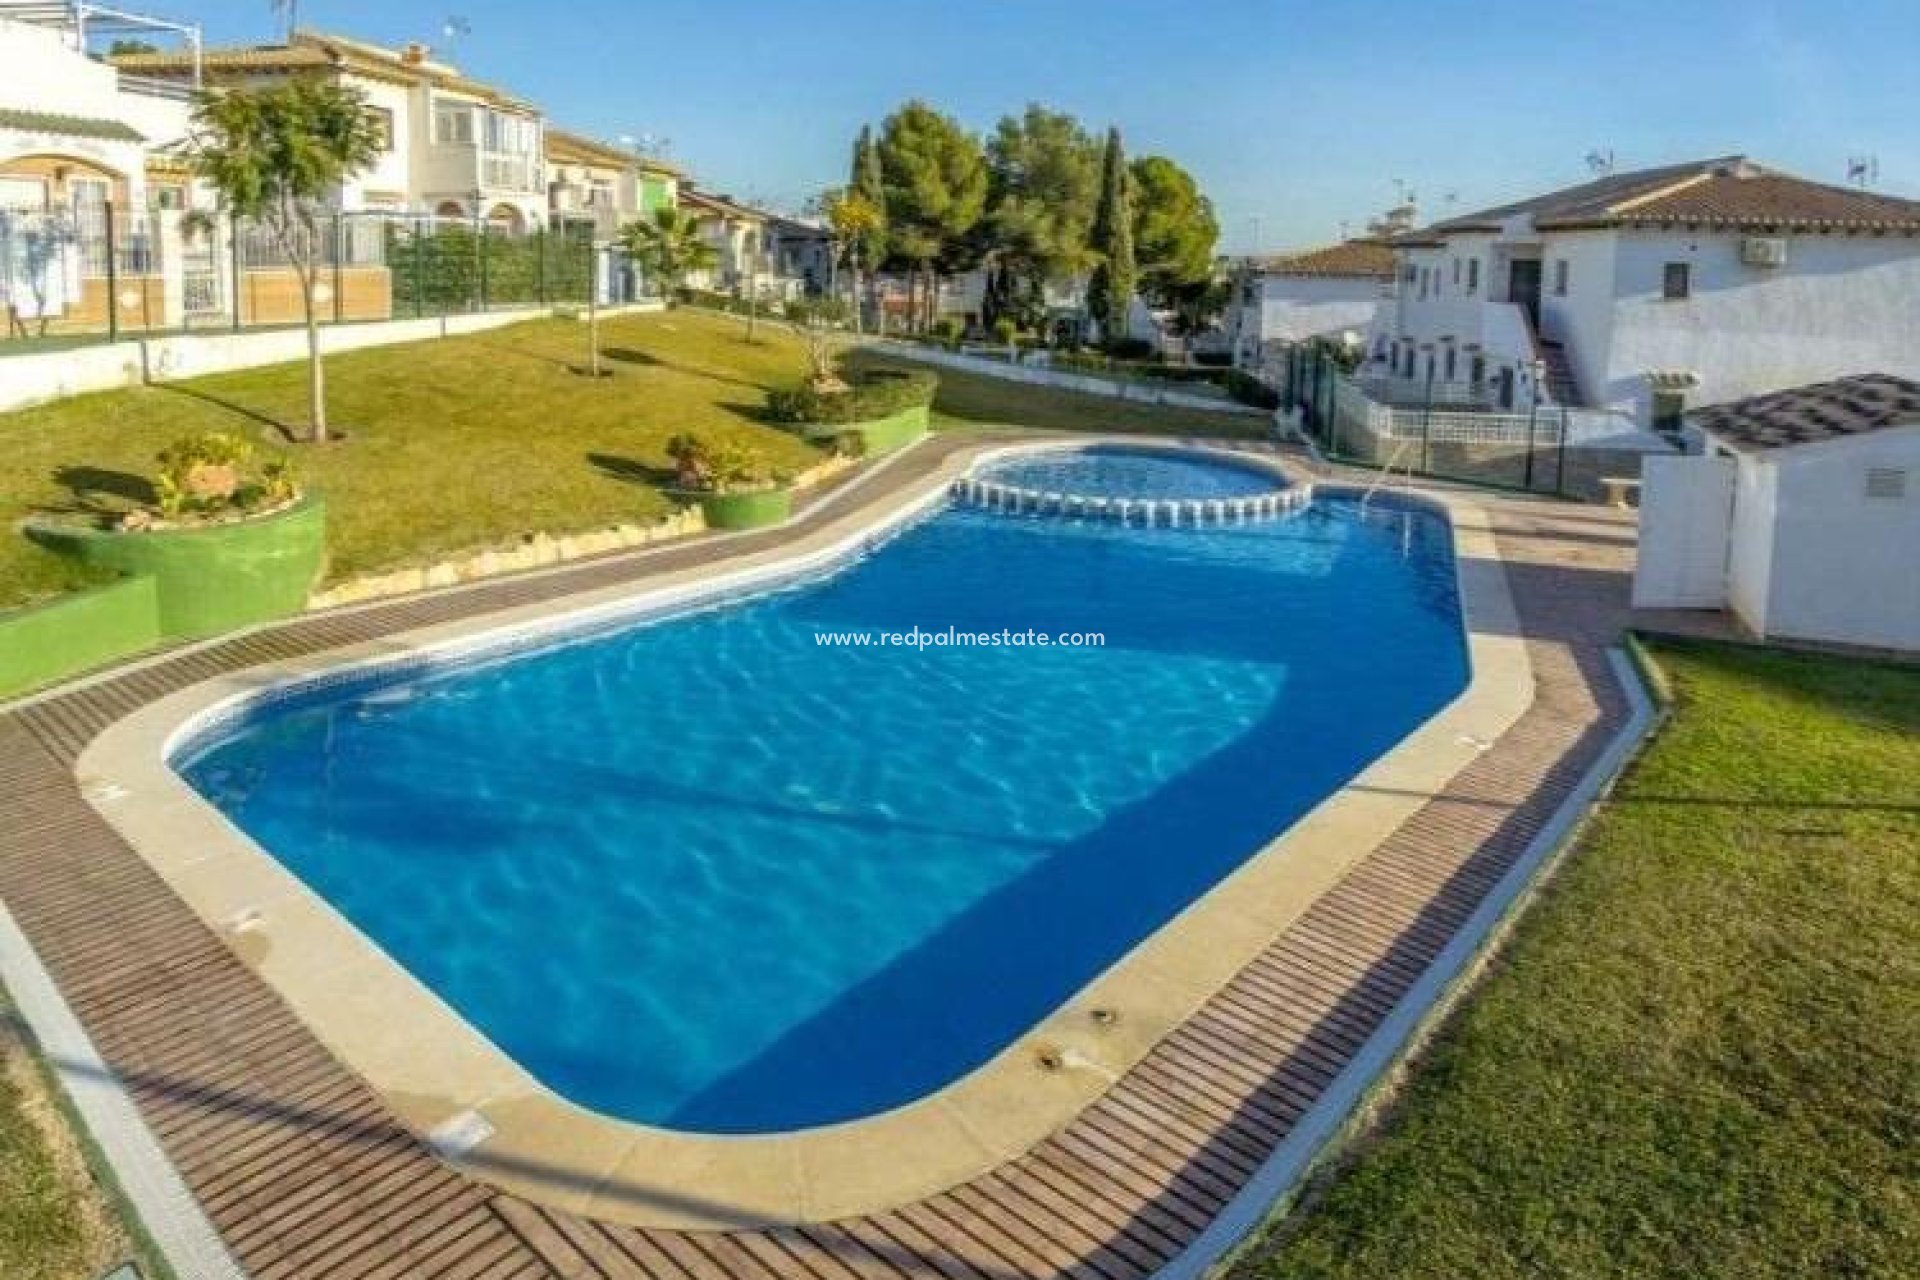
56,1222
465,442
973,400
1700,1056
452,444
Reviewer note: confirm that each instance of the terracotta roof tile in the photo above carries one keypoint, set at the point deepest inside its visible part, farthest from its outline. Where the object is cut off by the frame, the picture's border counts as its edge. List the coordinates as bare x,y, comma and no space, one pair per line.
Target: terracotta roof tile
73,126
1726,191
1819,411
1360,259
1775,199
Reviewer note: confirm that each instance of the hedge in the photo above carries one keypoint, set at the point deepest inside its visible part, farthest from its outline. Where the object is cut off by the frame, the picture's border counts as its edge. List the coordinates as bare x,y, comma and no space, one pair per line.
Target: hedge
871,394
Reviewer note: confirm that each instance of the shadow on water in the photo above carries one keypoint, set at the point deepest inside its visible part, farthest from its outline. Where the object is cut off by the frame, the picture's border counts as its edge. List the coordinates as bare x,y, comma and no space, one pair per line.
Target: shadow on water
990,973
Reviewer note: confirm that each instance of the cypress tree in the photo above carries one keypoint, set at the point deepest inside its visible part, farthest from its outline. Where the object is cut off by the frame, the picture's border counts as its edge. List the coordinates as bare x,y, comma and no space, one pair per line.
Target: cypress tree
866,179
1110,291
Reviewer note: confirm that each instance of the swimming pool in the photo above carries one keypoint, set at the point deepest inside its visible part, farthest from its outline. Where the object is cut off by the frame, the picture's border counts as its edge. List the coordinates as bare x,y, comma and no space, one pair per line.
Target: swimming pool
712,874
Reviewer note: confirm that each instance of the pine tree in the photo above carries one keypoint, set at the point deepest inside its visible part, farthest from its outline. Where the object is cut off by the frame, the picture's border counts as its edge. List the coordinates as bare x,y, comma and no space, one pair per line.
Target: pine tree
867,181
1110,291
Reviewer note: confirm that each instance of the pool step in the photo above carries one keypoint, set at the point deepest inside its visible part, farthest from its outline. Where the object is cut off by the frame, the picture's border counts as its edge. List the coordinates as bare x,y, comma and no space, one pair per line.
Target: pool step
1189,513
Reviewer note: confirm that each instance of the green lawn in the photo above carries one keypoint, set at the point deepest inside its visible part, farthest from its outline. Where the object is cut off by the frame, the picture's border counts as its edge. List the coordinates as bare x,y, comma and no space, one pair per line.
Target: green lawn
972,400
1700,1057
56,1223
464,442
452,444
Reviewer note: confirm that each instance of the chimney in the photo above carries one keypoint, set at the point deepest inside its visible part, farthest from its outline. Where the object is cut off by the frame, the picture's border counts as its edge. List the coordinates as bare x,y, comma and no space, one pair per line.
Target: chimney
413,55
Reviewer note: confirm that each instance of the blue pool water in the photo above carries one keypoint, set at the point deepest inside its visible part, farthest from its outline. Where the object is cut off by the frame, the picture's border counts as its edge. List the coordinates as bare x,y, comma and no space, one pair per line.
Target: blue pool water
1115,471
708,874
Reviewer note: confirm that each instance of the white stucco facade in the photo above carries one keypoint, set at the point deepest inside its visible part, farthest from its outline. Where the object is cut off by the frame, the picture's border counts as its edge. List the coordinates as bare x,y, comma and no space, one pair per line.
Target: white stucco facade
1282,308
1601,307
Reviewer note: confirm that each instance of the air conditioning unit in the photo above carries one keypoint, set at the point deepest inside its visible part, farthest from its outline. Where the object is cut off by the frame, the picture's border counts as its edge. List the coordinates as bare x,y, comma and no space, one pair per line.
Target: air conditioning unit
1764,251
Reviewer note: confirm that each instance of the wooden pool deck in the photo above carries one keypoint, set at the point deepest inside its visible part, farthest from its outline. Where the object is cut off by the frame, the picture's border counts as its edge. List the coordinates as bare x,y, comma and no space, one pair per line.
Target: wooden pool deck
306,1175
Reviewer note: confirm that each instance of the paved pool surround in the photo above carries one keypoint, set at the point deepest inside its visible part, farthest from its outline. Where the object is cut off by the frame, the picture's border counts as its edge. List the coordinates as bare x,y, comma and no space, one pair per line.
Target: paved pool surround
482,1111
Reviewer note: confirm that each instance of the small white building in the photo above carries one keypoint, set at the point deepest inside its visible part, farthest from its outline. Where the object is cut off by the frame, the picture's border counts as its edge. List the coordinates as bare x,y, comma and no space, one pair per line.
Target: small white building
1290,299
1800,513
1654,291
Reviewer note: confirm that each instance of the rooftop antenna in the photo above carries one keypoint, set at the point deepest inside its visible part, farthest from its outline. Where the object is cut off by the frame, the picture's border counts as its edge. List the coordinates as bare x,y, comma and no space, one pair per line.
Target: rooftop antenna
289,13
453,31
1600,163
1863,171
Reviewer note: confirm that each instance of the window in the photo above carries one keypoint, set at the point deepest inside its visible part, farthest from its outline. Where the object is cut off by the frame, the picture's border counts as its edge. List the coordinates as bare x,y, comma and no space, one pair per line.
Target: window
382,118
169,196
1456,271
1479,370
1452,367
1560,277
1473,274
1669,409
453,123
1678,281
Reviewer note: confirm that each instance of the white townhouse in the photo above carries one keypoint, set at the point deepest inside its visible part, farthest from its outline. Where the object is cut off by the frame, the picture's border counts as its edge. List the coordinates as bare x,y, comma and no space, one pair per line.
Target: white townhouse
1298,296
1653,292
452,146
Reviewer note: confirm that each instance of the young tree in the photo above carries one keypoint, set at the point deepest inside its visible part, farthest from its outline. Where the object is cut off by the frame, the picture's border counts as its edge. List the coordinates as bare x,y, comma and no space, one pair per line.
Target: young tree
1110,291
866,180
1174,232
934,178
668,244
1044,182
274,155
855,221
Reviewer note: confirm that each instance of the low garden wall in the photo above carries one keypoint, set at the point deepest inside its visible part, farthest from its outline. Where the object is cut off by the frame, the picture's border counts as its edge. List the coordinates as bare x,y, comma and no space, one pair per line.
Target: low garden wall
42,643
879,435
42,377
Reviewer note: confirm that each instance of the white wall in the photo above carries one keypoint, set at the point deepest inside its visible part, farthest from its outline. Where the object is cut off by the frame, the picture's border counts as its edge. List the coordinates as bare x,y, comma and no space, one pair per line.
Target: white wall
392,173
1582,320
1750,544
43,73
1841,305
1295,308
1686,511
1846,568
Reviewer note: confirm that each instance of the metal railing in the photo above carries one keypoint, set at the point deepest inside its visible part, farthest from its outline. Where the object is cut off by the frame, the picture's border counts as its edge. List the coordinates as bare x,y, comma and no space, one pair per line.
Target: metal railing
98,273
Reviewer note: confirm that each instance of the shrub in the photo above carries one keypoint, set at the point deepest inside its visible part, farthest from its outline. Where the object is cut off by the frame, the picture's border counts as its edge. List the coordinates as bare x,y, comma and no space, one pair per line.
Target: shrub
950,330
1005,331
1130,349
1247,389
870,394
206,477
705,467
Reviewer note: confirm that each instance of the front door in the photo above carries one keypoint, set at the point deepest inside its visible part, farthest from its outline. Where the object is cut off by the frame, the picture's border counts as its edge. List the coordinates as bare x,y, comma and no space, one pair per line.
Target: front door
1523,288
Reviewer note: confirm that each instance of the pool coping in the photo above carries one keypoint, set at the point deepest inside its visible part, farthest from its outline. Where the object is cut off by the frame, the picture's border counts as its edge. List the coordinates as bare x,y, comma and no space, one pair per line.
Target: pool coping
487,1115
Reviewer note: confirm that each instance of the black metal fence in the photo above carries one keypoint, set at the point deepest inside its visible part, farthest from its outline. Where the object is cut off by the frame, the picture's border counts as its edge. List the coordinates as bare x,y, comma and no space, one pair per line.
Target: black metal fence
99,274
1447,437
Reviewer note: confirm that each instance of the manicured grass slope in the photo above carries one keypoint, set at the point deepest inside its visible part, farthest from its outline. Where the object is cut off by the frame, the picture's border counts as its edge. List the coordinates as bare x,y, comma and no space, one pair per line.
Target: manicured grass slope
453,444
1701,1057
972,400
54,1222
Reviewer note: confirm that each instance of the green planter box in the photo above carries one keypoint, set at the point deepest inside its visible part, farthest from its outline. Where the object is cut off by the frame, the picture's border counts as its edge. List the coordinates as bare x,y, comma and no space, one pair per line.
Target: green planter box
745,510
878,435
215,578
41,644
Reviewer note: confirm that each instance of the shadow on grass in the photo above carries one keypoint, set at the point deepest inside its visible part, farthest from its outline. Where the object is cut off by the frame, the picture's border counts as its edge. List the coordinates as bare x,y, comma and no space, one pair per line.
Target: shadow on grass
98,491
287,430
633,355
631,471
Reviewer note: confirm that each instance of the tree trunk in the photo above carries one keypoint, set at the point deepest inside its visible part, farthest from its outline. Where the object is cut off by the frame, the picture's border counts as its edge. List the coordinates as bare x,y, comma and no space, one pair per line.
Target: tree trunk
316,370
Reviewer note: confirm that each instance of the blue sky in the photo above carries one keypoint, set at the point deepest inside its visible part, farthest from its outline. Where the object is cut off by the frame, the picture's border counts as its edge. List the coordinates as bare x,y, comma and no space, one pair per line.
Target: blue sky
1296,117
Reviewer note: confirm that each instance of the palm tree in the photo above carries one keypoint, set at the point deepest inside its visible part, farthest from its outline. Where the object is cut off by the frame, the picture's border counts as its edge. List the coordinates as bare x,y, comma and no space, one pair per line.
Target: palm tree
668,245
